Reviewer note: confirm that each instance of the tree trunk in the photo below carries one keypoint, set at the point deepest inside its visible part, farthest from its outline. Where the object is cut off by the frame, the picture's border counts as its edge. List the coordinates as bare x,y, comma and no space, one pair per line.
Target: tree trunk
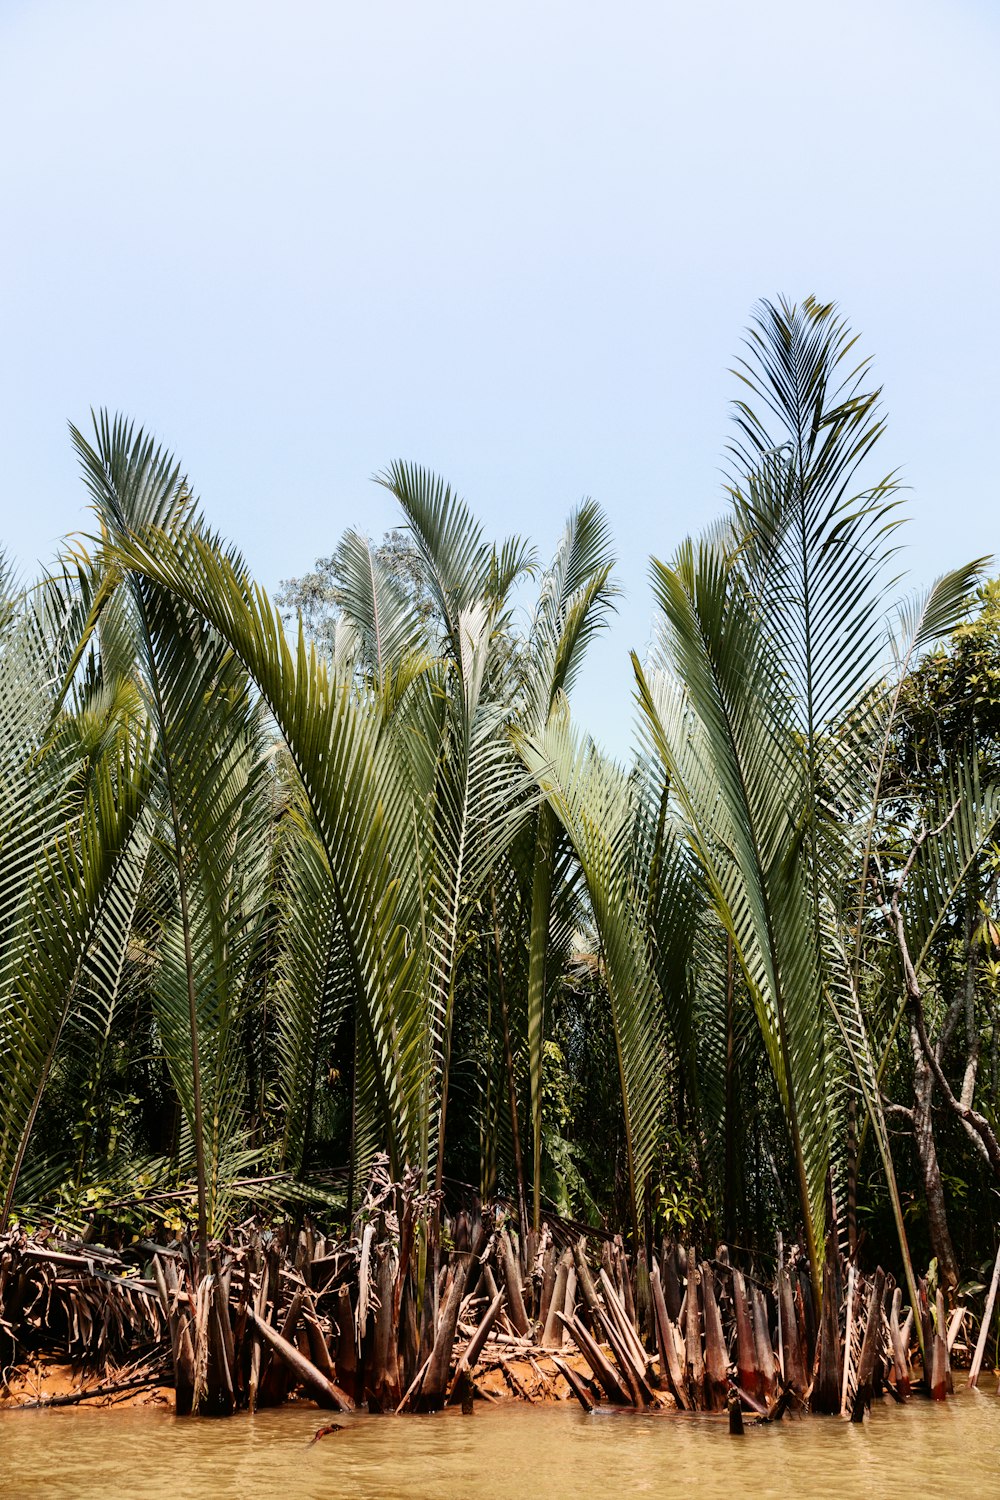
930,1170
730,1187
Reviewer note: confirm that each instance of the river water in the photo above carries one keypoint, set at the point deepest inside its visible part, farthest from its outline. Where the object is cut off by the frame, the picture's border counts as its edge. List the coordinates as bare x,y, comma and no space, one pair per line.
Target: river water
545,1453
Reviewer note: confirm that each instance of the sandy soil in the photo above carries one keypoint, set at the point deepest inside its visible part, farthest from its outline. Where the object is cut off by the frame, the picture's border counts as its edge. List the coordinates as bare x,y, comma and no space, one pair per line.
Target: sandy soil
534,1379
44,1378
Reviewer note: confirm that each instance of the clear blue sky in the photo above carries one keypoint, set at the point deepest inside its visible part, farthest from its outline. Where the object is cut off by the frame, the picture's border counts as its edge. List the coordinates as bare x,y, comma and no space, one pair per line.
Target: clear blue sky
517,243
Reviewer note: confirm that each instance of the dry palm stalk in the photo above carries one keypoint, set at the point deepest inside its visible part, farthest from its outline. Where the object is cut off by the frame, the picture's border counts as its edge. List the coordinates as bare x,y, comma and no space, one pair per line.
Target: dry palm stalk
549,1275
512,1280
746,1362
764,1351
434,1386
347,1353
259,1309
795,1358
575,1384
177,1313
552,1329
670,1365
984,1327
805,1313
474,1349
623,1360
716,1355
584,1280
694,1361
277,1379
826,1391
869,1349
940,1367
625,1281
671,1283
898,1346
604,1372
955,1325
382,1379
624,1324
324,1391
221,1354
632,1358
569,1306
221,1290
849,1358
413,1388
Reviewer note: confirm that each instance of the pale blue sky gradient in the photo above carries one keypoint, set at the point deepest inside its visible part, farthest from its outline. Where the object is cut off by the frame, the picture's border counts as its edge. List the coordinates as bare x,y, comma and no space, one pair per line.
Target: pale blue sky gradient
517,243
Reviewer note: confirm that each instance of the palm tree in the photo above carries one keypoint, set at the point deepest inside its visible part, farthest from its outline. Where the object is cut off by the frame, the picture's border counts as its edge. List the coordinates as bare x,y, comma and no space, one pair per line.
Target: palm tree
210,763
765,700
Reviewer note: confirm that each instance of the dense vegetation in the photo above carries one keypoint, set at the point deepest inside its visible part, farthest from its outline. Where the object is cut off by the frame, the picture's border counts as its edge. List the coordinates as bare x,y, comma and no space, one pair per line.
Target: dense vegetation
283,888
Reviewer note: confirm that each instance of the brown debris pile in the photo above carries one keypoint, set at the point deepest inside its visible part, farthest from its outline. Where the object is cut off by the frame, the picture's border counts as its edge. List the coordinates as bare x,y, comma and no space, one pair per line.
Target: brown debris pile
417,1310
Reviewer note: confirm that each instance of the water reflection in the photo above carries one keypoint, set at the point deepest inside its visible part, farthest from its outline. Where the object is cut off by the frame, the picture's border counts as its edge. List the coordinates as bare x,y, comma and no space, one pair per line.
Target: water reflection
553,1453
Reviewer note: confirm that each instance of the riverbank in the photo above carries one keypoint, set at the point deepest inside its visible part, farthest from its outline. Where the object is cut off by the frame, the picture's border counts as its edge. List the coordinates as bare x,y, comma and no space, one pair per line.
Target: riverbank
53,1384
420,1310
45,1383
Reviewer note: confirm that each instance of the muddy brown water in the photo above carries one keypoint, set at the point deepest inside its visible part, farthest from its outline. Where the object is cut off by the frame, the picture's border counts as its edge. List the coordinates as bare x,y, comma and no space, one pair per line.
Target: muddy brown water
547,1453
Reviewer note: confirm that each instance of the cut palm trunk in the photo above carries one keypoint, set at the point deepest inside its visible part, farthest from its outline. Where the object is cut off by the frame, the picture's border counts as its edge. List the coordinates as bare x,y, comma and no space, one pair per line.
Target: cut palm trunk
475,1345
763,1350
795,1365
382,1376
604,1372
552,1330
325,1392
747,1372
826,1391
900,1358
512,1281
695,1364
575,1384
716,1354
670,1366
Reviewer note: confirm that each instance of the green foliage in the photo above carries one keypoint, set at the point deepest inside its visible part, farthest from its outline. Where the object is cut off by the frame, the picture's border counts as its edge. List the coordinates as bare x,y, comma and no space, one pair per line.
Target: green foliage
276,900
953,698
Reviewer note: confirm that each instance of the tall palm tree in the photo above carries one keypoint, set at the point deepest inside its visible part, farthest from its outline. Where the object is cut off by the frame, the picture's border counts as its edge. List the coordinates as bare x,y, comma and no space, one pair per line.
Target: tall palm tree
208,754
765,700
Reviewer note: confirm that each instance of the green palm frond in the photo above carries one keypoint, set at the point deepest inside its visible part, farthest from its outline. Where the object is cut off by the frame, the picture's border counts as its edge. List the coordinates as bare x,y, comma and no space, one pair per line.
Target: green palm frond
388,628
595,803
197,697
314,989
461,567
677,915
576,597
348,762
74,886
104,982
818,538
482,795
719,714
